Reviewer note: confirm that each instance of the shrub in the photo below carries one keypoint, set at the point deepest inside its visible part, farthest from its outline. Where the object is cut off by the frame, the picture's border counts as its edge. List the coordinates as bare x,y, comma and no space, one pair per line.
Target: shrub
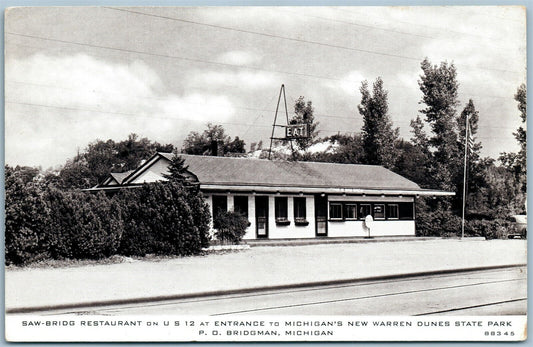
201,216
163,218
231,226
490,229
27,219
83,225
445,224
438,223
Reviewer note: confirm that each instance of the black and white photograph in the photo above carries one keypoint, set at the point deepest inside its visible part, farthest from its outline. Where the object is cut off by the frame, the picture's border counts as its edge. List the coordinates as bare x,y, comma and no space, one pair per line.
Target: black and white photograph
265,173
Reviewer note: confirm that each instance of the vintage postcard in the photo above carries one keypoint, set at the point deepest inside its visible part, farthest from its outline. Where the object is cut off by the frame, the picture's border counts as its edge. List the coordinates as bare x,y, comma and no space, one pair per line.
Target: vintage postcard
265,173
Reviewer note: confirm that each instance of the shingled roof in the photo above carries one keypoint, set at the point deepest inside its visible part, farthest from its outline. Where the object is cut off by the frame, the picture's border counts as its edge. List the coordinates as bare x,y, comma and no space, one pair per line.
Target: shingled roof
278,173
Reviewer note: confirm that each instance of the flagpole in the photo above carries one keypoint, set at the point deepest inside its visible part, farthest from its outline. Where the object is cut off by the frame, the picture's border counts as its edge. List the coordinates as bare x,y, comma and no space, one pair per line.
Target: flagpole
464,180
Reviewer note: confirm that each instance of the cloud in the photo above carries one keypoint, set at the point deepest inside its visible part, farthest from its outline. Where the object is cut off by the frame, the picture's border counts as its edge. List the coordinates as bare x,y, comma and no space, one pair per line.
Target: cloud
56,104
242,79
238,58
349,84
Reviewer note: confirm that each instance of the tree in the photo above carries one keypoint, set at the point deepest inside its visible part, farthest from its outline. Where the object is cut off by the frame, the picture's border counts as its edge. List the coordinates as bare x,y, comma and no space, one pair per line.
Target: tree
347,149
439,88
100,158
26,219
517,162
235,146
303,114
177,169
213,139
414,158
412,163
378,135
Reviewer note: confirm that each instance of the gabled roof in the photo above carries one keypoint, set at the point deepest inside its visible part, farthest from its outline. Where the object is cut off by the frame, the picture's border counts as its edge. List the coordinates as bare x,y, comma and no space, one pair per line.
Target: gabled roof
278,173
233,173
120,176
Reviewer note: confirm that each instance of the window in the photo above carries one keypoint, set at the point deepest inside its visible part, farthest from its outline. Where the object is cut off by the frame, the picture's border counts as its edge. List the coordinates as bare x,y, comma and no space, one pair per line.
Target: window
406,210
299,209
281,210
335,210
364,210
379,211
240,205
220,204
350,211
392,211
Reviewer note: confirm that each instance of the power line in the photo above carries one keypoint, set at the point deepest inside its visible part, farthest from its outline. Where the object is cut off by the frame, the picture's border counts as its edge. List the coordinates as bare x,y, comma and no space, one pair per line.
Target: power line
164,99
264,34
289,38
319,115
435,28
177,57
353,23
173,118
197,60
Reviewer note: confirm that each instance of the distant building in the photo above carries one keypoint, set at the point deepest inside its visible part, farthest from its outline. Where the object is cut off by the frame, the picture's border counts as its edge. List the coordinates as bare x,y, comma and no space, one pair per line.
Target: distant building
287,199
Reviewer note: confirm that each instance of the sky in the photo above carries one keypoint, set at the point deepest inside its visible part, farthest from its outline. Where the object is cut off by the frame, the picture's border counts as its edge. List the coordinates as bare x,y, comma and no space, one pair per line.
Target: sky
77,74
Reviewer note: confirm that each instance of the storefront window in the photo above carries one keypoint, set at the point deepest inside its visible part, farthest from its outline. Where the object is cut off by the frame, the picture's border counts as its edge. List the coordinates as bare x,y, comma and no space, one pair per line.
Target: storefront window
281,209
240,205
392,211
350,211
379,211
364,210
335,211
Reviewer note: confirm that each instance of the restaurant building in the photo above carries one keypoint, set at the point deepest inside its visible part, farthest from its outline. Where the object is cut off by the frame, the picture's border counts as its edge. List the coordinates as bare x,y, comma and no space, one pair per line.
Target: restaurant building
290,199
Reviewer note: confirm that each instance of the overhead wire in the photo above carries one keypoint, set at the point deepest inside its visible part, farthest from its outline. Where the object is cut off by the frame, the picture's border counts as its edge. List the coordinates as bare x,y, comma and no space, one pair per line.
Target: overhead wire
216,63
325,44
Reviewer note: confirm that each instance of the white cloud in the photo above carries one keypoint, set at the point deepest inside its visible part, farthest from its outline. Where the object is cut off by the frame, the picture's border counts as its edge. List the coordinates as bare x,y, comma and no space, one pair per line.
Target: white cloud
56,104
239,58
242,79
349,84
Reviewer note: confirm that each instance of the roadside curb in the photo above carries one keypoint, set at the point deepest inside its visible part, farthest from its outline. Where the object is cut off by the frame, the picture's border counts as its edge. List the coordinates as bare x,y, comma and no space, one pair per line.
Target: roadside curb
314,241
161,298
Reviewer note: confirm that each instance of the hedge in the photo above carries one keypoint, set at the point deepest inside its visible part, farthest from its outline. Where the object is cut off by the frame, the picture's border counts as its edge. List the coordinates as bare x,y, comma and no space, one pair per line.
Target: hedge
164,218
446,224
47,223
27,216
231,226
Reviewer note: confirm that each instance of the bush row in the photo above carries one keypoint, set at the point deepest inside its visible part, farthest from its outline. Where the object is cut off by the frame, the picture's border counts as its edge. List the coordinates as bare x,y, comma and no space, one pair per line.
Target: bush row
47,223
446,224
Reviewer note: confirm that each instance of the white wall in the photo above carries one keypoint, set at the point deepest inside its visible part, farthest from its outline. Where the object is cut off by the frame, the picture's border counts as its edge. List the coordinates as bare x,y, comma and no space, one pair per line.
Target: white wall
154,173
379,228
335,229
292,231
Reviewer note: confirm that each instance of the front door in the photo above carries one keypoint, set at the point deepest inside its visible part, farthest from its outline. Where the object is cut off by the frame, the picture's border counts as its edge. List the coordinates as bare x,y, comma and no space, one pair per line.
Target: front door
321,215
261,216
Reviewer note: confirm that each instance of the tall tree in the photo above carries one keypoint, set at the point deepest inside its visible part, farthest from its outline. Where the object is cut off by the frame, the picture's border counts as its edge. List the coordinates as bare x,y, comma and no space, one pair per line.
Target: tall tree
415,157
177,171
439,87
517,162
100,158
378,135
303,114
213,138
